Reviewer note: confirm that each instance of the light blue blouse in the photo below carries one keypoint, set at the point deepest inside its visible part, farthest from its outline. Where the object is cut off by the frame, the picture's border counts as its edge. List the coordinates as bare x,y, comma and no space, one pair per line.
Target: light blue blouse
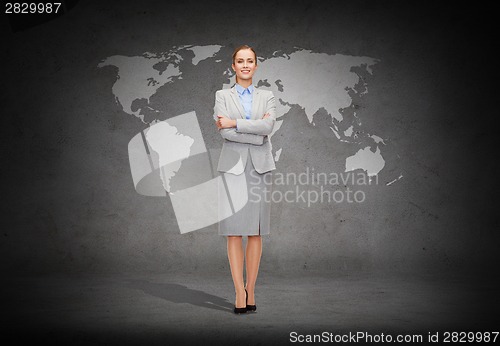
246,97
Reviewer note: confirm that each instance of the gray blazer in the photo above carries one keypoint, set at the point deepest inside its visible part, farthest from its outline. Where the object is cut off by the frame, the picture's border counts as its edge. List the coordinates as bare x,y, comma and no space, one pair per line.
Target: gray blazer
251,135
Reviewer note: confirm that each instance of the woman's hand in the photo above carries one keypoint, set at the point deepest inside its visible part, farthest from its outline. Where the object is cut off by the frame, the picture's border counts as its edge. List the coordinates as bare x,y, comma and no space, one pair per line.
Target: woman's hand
265,116
225,122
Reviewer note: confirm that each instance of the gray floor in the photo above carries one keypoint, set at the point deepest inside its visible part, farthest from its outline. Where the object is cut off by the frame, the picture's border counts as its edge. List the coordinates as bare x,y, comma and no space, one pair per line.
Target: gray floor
187,307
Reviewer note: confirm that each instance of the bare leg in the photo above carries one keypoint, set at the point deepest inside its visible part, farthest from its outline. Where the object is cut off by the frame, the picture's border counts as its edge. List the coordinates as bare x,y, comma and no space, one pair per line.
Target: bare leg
236,259
253,253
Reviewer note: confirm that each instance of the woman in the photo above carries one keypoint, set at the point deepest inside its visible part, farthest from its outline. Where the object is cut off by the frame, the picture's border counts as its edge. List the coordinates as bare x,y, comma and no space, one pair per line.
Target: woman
245,117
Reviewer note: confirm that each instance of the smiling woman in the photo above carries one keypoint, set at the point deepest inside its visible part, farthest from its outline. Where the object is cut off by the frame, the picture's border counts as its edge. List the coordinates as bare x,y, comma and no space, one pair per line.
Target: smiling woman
245,117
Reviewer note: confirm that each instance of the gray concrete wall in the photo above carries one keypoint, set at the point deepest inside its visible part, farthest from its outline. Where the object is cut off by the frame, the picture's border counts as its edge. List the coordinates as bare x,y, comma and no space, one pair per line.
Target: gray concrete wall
68,201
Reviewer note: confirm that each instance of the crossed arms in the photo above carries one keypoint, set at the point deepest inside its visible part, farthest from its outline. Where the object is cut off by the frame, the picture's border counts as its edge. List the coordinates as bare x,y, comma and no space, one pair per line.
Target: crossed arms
248,131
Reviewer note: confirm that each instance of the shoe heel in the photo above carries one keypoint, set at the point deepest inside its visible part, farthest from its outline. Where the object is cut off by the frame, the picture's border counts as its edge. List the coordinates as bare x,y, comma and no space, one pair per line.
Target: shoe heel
241,310
251,308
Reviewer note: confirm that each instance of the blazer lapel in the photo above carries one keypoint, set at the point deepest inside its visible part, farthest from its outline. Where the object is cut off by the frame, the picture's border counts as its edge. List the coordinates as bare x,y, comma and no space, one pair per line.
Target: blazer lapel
255,101
237,102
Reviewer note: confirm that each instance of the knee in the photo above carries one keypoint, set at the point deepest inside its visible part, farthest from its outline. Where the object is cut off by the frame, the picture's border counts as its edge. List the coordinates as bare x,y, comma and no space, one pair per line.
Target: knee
254,237
234,237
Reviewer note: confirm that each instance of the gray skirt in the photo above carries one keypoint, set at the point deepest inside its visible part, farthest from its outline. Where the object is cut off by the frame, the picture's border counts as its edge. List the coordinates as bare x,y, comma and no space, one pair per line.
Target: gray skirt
254,217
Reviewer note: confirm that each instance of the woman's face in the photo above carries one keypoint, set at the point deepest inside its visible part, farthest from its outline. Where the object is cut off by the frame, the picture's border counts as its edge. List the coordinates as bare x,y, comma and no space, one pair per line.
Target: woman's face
244,64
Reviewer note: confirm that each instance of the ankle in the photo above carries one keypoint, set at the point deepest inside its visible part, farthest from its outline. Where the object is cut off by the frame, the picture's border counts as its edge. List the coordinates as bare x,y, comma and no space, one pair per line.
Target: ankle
250,289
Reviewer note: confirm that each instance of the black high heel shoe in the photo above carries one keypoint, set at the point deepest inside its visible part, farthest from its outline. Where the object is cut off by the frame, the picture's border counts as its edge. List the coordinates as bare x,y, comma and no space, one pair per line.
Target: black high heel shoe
250,307
241,310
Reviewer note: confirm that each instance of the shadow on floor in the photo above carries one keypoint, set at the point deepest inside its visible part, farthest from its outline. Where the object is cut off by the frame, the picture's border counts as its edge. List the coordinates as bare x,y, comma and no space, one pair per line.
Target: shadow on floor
176,293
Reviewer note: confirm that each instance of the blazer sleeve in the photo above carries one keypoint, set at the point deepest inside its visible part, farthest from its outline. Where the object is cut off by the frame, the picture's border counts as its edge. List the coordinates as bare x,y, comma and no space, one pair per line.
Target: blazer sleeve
259,126
231,134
